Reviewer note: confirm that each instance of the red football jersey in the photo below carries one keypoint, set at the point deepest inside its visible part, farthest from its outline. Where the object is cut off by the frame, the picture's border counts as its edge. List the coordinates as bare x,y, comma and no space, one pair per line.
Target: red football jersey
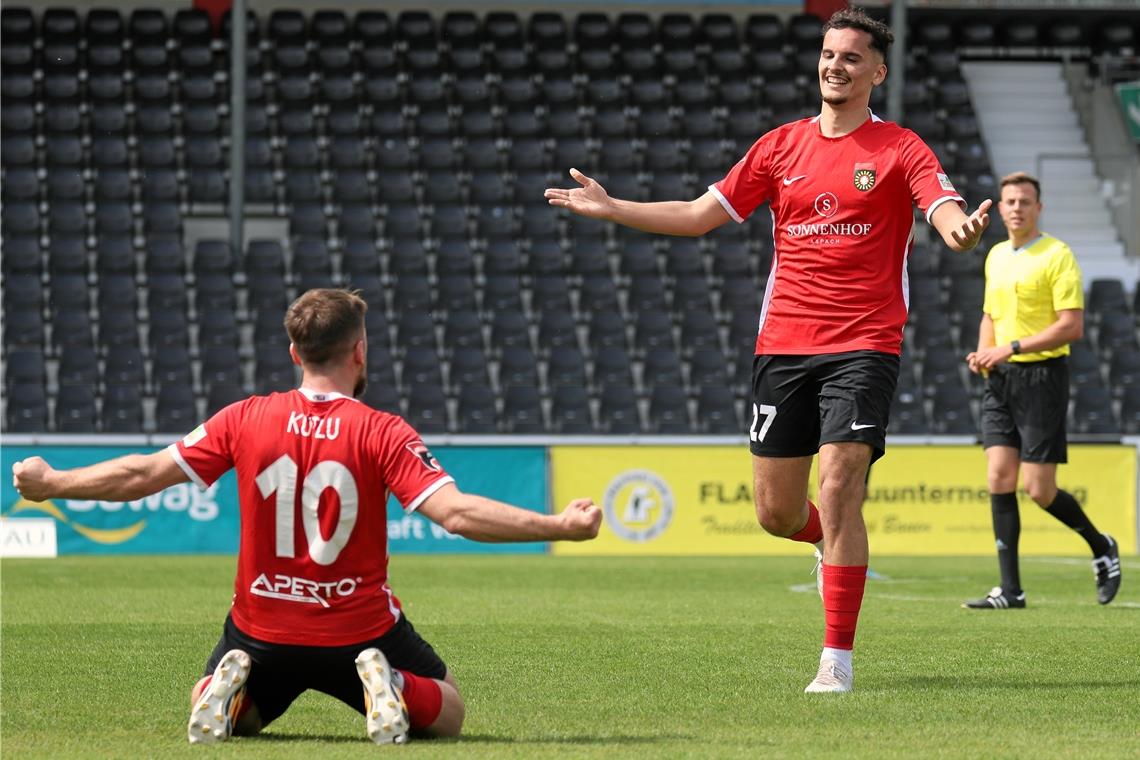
843,228
314,471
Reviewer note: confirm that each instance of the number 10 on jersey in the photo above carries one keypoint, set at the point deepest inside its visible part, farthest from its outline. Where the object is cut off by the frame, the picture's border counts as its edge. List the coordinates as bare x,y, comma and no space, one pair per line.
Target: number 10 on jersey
281,477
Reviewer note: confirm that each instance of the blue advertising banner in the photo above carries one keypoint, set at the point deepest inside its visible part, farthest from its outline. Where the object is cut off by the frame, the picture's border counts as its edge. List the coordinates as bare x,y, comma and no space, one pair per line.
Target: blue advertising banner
515,474
184,519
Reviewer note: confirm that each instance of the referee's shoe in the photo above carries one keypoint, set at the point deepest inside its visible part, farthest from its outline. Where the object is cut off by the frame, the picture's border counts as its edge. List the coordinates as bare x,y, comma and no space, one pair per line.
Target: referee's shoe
1107,571
997,600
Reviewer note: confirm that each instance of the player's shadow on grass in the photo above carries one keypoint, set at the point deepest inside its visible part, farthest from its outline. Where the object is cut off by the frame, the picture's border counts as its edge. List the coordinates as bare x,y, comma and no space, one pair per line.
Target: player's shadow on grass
472,739
1019,683
285,736
602,740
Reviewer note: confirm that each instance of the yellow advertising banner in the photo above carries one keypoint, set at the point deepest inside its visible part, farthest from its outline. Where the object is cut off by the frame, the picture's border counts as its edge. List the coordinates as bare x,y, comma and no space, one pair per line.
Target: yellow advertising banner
921,500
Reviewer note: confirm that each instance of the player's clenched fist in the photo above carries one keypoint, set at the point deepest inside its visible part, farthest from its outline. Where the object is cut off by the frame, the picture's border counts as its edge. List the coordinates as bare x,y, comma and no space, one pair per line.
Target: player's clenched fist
581,520
29,478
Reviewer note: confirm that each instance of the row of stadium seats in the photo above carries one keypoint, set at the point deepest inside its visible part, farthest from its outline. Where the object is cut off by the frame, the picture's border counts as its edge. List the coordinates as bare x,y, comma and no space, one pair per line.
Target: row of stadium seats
638,322
466,29
409,154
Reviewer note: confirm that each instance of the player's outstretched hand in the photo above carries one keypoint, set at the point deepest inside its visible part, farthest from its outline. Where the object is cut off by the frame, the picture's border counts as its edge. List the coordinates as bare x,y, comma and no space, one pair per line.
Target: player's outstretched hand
29,477
970,233
591,199
580,520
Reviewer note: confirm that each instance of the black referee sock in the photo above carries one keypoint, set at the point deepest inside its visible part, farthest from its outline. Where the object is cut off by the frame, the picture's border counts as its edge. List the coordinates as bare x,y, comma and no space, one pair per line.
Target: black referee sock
1066,509
1007,530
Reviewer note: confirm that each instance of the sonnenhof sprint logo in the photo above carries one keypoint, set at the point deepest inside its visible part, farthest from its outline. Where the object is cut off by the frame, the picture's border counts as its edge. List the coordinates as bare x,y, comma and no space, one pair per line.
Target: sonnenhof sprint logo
200,506
638,505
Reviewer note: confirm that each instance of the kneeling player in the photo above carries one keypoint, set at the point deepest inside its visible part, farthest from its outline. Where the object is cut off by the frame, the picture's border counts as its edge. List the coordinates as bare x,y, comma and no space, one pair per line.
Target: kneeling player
312,608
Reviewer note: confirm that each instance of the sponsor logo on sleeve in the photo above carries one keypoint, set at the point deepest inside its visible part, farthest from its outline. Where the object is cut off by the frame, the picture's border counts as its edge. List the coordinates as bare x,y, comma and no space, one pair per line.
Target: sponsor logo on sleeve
422,453
194,436
945,183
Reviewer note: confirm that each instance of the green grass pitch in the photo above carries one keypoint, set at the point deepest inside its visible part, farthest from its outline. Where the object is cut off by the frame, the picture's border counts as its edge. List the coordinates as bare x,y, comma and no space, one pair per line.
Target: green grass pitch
605,658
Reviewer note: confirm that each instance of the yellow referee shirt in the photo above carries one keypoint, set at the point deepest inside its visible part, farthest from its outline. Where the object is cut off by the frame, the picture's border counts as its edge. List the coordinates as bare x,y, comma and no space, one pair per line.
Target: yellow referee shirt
1026,287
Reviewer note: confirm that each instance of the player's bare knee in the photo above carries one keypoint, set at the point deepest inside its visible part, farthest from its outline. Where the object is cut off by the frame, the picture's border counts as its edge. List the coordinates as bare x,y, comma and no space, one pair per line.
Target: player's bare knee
839,491
778,521
1043,494
1001,479
1002,484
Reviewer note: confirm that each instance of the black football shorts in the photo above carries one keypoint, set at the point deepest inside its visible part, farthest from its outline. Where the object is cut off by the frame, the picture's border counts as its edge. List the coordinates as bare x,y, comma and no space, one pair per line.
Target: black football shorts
1024,406
281,672
802,402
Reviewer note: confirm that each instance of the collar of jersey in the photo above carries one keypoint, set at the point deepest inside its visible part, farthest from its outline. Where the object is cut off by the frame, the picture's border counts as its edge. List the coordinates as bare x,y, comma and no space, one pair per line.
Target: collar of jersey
1028,245
874,118
318,397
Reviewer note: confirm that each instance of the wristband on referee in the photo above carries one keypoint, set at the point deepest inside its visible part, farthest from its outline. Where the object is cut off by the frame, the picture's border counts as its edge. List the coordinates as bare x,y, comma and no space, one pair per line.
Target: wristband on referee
1015,346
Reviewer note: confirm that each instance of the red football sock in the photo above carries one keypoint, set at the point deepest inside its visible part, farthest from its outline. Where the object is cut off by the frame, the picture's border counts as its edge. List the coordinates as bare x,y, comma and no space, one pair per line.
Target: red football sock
423,698
842,598
812,533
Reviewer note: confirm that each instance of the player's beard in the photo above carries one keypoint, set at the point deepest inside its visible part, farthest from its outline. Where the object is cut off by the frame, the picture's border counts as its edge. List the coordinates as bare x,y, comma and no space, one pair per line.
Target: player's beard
361,384
834,100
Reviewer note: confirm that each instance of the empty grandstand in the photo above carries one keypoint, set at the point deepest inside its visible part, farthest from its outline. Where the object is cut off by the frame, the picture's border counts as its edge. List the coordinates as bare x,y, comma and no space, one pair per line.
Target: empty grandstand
405,154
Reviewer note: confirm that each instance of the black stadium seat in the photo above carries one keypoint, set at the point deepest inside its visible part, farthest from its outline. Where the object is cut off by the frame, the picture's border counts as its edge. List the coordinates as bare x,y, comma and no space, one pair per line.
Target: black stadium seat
408,152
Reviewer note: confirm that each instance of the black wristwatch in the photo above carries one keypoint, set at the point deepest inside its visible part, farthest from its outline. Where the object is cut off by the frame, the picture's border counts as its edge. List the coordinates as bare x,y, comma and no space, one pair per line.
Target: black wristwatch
1016,346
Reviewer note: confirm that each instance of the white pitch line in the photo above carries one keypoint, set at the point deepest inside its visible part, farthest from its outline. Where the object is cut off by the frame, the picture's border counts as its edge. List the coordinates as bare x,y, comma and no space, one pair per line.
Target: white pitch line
1074,561
810,588
901,597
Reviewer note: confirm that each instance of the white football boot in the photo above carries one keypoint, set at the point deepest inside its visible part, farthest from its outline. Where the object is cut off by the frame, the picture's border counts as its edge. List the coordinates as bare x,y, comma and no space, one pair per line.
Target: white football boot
384,708
831,677
818,572
213,715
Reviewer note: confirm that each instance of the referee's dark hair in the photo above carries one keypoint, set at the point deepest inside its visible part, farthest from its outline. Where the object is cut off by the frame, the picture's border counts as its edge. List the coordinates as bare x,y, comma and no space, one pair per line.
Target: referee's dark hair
1021,178
855,18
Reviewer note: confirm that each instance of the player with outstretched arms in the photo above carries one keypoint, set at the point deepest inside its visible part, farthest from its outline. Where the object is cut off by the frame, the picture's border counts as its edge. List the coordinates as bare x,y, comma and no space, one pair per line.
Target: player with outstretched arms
312,607
841,187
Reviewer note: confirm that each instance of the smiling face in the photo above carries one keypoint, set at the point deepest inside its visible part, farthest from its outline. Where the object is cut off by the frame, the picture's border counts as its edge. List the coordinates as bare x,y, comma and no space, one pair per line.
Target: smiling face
848,68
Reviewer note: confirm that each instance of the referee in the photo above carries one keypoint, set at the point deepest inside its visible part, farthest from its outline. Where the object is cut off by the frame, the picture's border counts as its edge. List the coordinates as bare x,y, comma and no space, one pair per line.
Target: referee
1033,309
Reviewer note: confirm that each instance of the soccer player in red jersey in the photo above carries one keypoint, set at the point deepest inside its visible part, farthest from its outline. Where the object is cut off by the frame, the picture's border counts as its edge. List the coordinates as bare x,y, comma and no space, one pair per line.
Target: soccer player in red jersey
841,187
312,608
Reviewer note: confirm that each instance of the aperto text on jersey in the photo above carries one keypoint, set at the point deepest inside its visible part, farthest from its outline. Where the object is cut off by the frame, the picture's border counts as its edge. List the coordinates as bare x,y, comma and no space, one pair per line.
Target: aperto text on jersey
288,588
312,426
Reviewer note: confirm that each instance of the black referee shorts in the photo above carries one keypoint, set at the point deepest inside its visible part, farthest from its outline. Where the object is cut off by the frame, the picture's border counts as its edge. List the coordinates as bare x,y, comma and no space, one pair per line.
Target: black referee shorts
1024,407
281,672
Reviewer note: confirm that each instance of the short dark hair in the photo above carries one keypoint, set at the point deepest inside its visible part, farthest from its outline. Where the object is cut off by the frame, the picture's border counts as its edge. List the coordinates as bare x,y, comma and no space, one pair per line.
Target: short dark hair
325,323
855,18
1021,178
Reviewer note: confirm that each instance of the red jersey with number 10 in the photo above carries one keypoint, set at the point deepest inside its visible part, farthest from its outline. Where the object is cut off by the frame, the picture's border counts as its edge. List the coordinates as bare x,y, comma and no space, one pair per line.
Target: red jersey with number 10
314,471
843,228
